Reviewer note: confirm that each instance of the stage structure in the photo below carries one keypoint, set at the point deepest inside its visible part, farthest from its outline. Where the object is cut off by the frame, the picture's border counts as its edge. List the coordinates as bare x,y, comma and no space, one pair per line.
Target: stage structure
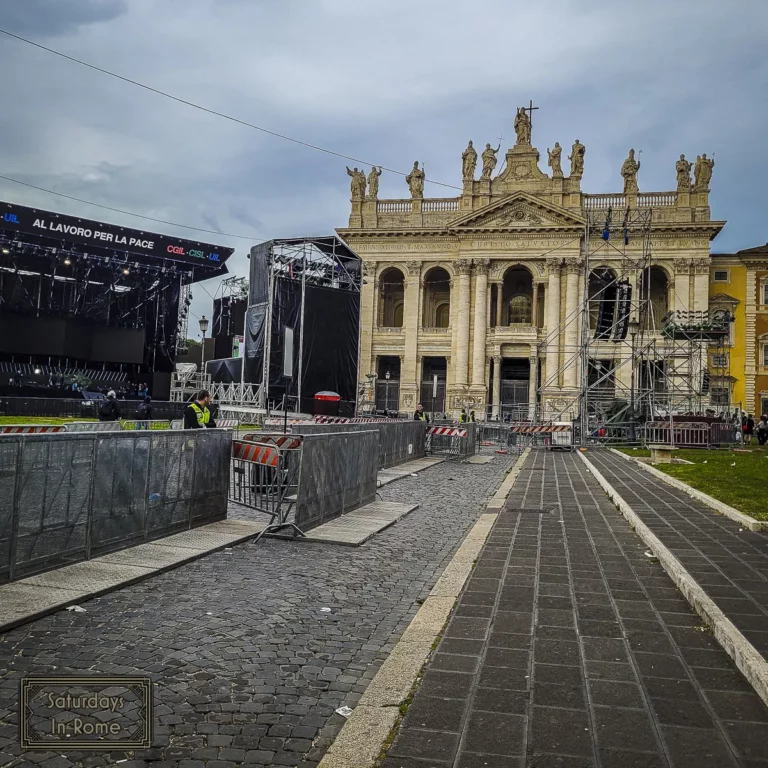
84,295
310,286
637,360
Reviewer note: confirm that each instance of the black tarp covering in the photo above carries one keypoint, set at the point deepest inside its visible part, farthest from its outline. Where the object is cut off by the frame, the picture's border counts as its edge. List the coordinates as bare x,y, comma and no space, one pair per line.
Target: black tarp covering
256,314
331,323
330,341
224,371
286,313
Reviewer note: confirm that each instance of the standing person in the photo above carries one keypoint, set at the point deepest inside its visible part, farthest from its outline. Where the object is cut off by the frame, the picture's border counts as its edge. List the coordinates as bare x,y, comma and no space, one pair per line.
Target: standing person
472,416
144,413
419,414
749,429
110,410
463,416
197,415
762,430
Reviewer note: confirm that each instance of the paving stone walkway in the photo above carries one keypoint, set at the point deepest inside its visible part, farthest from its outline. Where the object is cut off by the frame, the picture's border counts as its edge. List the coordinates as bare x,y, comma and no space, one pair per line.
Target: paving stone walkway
729,563
569,648
249,668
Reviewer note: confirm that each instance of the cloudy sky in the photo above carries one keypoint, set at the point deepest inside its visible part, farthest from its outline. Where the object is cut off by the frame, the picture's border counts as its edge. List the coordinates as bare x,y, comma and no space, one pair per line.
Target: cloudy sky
386,82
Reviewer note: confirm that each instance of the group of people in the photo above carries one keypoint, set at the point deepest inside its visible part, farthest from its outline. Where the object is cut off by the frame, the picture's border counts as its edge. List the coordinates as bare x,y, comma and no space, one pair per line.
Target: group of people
109,410
464,418
748,429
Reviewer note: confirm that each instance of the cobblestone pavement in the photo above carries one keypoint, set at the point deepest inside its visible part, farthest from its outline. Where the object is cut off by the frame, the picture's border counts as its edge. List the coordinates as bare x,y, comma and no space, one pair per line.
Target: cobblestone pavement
729,563
570,648
249,669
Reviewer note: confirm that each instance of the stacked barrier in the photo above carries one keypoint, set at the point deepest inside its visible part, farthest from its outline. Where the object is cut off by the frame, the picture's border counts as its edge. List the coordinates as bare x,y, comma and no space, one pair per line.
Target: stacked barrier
70,497
399,440
265,475
452,442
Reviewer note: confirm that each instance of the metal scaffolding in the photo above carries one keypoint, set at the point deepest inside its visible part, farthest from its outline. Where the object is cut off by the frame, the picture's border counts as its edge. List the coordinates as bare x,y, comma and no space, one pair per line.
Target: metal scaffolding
638,361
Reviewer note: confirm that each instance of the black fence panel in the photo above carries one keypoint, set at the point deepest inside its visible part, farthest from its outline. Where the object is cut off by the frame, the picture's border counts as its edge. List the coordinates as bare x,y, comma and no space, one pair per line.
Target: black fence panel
70,497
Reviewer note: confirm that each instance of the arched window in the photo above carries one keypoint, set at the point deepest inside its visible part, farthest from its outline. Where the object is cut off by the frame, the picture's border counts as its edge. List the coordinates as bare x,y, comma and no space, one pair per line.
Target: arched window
520,310
437,295
442,316
391,296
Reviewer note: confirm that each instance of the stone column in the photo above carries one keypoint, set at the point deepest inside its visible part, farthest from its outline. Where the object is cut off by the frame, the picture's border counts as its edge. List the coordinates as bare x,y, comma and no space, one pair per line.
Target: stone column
463,268
682,281
496,397
535,308
408,374
478,339
701,285
532,383
367,318
499,291
573,324
553,322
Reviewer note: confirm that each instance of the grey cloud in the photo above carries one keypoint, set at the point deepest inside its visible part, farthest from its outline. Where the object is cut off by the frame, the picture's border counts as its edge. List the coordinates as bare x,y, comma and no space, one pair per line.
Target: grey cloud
389,83
58,17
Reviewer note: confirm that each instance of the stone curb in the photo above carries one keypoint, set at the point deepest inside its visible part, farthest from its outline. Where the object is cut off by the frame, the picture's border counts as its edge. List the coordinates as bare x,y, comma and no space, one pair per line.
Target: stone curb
364,735
53,599
497,502
724,509
747,658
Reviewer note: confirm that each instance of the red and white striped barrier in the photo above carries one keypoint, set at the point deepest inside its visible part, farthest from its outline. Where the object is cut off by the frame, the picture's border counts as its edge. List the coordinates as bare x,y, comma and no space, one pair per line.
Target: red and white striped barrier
447,431
255,453
31,429
289,442
349,420
540,429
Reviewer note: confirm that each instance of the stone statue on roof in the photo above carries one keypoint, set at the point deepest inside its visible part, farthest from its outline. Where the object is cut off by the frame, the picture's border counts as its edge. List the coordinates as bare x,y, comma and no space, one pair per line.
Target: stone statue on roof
357,185
468,162
553,161
523,126
415,181
629,170
683,168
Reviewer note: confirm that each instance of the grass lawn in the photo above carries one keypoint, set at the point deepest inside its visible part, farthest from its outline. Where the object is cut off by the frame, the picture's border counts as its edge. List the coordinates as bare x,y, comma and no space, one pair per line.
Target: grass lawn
735,478
11,420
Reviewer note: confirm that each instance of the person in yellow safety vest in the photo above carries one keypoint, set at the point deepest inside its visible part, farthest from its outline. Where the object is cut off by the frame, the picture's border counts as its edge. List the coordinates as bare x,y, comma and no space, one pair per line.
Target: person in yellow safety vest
197,415
419,414
463,416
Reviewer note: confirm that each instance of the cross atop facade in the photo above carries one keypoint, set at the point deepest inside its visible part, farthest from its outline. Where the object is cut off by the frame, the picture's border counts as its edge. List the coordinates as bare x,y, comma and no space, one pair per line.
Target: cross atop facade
530,109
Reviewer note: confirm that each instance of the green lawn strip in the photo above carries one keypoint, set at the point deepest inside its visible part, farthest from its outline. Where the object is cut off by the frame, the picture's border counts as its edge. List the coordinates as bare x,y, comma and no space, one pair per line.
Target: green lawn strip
11,420
734,477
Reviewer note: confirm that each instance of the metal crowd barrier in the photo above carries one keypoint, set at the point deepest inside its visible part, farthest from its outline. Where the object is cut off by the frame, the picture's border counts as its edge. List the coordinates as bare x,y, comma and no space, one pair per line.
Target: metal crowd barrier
450,442
265,475
684,434
494,435
71,497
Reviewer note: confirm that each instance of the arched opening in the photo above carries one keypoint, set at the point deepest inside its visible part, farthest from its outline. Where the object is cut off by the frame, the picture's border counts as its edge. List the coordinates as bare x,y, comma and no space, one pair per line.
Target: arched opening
437,298
391,298
442,315
517,297
654,298
602,301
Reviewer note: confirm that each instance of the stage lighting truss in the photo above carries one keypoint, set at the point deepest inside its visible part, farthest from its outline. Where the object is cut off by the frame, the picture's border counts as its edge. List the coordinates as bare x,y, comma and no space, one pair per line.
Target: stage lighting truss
317,262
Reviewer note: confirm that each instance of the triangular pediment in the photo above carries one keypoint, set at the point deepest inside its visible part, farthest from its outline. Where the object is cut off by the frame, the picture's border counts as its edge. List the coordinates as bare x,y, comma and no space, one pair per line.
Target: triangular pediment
723,298
519,210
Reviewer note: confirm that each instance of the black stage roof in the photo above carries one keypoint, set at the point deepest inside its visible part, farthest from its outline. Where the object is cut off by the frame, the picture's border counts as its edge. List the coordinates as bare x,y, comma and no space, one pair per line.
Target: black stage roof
21,226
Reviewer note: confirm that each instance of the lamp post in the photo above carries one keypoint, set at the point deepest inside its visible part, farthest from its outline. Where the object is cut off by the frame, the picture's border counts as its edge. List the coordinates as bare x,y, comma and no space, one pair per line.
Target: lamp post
632,326
203,328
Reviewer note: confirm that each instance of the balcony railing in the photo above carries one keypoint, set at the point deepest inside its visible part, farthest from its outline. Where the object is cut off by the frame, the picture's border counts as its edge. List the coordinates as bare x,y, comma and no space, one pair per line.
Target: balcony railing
656,199
446,204
431,329
393,206
390,329
644,200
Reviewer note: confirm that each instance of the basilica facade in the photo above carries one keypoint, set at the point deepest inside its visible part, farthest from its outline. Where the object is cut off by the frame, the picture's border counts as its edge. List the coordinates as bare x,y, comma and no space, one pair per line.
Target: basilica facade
477,300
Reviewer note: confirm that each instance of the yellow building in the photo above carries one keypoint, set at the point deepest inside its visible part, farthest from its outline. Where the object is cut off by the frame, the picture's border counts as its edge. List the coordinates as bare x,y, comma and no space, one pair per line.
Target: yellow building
739,283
